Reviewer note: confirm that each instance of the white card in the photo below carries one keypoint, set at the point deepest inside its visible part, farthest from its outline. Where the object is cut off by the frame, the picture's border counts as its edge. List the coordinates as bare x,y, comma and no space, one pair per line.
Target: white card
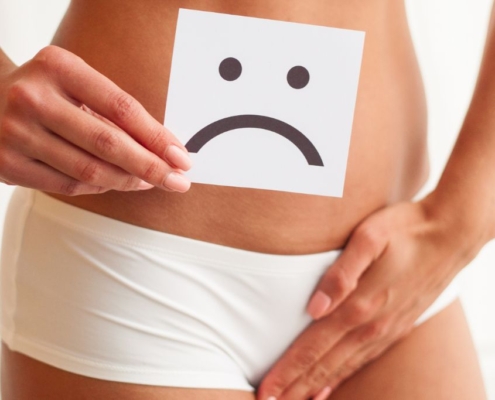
262,103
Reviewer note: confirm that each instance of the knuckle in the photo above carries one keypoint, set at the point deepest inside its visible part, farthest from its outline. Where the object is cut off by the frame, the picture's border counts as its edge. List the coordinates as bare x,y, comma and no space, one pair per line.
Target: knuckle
86,189
370,236
124,107
13,135
339,375
89,172
99,189
342,283
52,59
105,142
357,312
385,297
129,183
341,372
158,140
48,52
317,376
22,94
374,331
306,356
151,171
72,188
8,127
366,233
276,384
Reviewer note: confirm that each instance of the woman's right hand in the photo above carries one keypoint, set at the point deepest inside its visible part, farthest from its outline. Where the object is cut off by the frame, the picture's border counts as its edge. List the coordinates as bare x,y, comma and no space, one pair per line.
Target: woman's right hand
66,128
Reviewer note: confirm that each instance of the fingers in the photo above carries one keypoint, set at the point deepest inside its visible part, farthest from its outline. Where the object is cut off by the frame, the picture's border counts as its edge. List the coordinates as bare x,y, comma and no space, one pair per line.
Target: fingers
352,366
312,383
92,88
34,174
85,108
54,151
115,142
351,354
302,354
110,144
322,337
364,247
362,306
347,359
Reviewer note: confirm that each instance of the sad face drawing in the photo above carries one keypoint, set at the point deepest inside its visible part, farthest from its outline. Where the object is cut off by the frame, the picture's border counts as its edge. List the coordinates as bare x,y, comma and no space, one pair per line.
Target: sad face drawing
264,104
230,69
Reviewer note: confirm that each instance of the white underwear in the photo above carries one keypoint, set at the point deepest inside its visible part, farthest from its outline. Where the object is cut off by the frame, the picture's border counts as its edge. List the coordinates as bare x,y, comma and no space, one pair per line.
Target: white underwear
113,301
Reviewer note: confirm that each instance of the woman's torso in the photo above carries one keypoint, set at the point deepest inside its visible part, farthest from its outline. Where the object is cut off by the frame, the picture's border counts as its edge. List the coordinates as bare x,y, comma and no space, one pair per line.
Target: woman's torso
131,42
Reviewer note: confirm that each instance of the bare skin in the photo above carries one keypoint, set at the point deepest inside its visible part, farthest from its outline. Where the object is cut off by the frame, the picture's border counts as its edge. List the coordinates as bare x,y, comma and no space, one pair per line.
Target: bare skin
390,104
131,42
432,363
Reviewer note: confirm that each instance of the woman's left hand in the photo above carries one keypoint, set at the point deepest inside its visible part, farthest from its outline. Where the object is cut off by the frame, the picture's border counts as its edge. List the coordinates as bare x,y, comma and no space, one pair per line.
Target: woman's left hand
395,264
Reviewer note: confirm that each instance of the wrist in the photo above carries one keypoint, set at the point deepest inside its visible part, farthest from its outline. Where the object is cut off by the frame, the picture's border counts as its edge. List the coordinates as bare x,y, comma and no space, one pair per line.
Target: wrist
465,227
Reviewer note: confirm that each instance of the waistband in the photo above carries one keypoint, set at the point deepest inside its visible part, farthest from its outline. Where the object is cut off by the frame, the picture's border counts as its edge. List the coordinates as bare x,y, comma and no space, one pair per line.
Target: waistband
180,246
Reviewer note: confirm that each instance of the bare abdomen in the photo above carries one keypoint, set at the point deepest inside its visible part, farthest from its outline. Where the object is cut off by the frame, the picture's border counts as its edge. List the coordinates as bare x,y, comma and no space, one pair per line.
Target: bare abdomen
131,43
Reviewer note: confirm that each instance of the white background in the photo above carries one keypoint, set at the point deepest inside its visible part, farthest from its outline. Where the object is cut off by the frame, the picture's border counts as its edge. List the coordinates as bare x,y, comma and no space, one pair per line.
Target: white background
449,37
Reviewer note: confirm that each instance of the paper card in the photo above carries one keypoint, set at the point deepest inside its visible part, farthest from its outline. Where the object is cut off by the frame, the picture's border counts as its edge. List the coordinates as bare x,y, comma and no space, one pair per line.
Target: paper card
262,103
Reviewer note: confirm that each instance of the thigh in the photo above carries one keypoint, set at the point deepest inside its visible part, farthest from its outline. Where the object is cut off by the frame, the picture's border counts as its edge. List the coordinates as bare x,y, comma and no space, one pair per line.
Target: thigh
437,361
24,378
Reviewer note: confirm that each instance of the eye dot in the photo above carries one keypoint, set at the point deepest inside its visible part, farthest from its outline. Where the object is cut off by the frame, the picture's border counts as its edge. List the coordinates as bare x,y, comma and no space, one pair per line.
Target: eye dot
298,77
230,69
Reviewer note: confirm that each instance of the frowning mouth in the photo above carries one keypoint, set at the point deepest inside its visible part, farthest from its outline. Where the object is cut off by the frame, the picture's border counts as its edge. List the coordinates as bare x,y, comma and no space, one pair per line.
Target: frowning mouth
216,128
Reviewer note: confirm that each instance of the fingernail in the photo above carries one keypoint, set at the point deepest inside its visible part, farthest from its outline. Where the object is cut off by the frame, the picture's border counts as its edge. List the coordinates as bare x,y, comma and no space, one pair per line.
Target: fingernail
178,157
318,304
323,393
272,398
177,182
144,185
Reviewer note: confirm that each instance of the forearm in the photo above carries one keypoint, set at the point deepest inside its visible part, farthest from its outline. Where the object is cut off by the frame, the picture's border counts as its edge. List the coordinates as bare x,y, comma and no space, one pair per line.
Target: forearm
465,194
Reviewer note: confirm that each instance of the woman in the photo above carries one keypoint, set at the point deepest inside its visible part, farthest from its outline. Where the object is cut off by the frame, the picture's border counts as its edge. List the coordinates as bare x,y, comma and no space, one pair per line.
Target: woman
122,280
